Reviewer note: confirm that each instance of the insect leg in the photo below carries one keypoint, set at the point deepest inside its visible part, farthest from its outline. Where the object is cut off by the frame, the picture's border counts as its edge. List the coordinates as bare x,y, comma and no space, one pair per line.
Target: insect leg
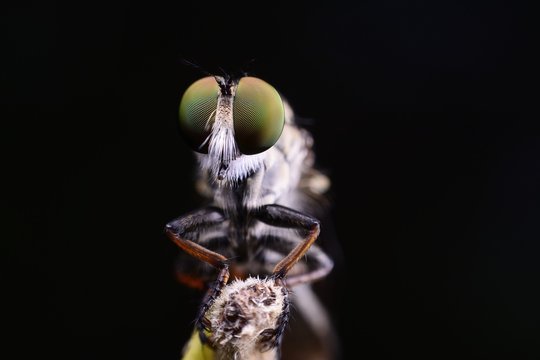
213,292
320,266
187,226
175,231
310,307
191,272
281,216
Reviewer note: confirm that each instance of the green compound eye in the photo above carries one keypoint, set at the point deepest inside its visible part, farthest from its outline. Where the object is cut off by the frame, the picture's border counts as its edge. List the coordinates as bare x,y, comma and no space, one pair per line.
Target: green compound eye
258,116
198,112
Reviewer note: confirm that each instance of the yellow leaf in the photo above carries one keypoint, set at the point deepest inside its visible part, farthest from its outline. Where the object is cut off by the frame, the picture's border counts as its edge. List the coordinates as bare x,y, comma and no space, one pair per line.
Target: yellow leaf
196,350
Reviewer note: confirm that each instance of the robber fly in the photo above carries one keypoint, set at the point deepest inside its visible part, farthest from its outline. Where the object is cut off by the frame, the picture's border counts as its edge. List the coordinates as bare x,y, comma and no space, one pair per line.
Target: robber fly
256,170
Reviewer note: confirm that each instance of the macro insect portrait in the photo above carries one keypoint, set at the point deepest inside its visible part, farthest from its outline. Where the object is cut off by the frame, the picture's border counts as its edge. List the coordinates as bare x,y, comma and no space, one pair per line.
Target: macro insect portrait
256,171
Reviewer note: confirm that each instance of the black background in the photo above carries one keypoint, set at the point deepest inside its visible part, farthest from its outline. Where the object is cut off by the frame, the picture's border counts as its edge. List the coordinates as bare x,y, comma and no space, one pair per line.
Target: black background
421,112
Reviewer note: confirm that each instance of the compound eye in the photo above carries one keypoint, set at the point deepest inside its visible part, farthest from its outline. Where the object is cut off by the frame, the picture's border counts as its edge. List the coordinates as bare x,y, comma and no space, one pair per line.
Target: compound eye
198,112
258,116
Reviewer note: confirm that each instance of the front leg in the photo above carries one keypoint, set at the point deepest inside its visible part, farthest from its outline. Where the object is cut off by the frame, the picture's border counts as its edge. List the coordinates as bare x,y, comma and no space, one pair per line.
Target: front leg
213,292
281,216
319,263
195,221
188,226
176,230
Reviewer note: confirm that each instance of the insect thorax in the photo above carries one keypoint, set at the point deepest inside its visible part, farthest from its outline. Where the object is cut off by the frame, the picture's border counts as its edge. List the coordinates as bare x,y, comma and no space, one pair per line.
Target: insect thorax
272,177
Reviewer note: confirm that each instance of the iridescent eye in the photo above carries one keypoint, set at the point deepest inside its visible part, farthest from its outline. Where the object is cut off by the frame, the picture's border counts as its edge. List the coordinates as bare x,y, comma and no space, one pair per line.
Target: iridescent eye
198,112
258,115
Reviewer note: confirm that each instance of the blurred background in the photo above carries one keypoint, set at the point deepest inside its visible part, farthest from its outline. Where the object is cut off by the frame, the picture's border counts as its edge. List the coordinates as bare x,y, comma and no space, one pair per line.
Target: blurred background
422,116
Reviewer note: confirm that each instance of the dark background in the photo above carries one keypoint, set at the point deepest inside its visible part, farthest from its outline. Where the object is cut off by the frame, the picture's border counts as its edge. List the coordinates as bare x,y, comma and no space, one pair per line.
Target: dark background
422,116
